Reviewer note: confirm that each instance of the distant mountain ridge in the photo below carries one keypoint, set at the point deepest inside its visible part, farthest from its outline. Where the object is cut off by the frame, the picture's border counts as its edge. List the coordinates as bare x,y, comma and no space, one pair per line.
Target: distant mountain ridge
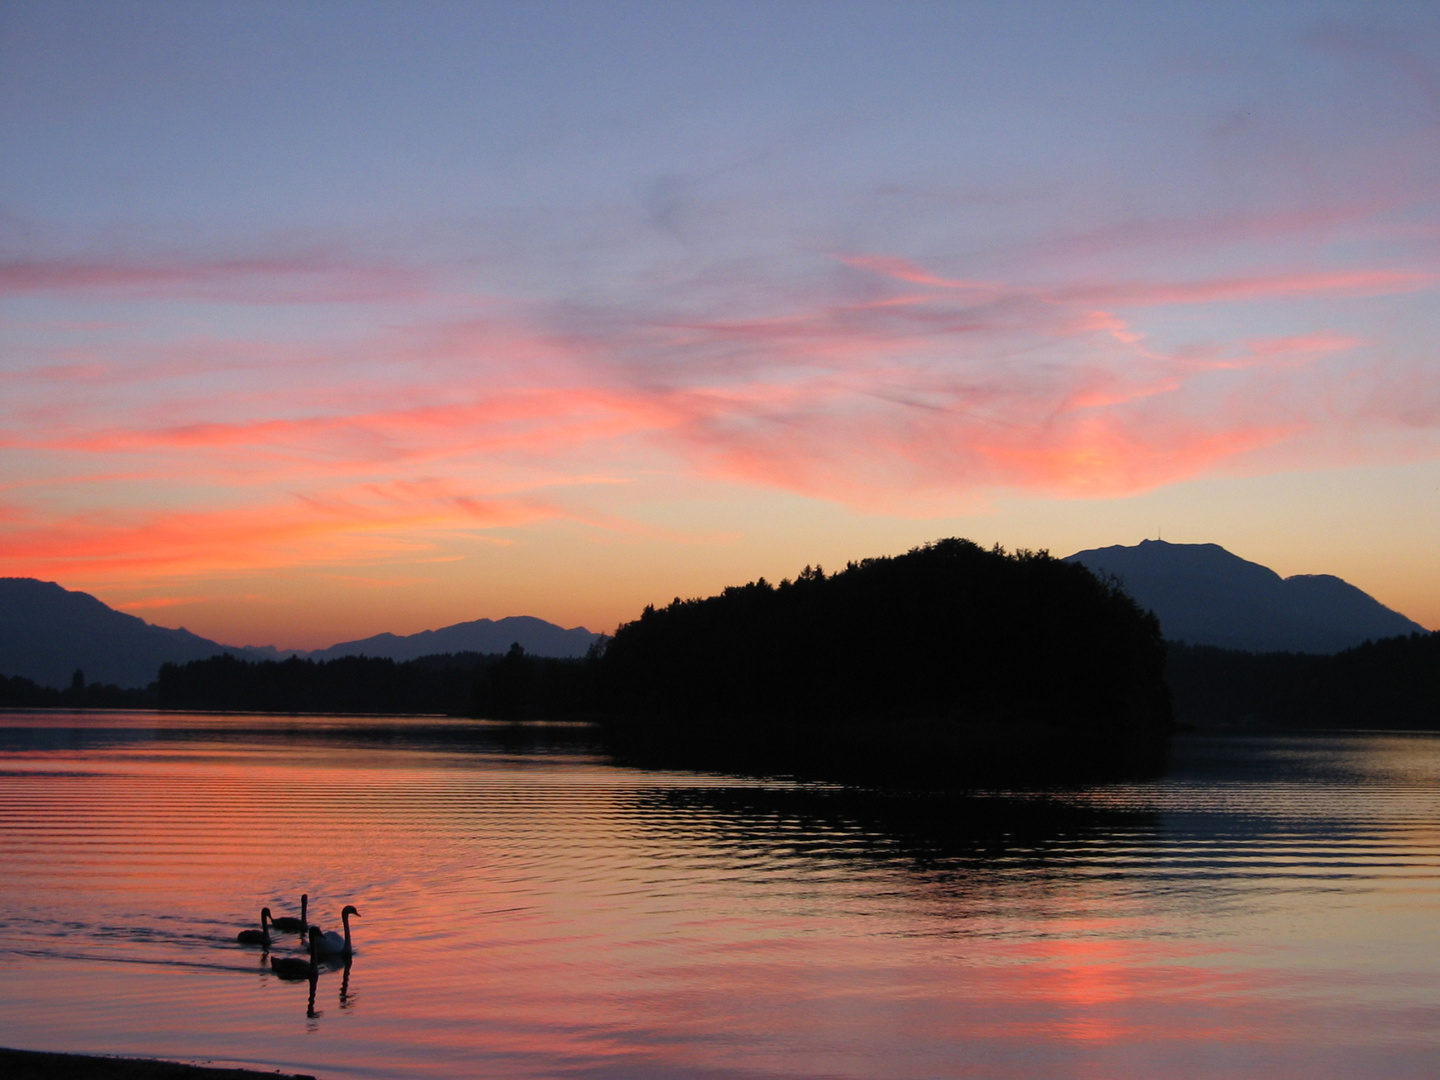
536,636
47,632
1204,595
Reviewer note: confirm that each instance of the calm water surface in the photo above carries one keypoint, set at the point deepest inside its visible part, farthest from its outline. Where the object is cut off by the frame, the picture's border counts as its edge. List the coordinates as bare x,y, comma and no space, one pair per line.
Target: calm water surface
1271,908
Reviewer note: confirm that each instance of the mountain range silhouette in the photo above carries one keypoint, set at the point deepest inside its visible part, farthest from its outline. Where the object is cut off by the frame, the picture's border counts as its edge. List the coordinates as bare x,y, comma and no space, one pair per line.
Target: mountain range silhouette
1204,595
47,632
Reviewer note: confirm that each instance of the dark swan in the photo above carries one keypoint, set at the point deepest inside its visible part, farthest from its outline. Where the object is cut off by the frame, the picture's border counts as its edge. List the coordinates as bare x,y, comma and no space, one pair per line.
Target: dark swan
328,942
289,922
296,967
257,937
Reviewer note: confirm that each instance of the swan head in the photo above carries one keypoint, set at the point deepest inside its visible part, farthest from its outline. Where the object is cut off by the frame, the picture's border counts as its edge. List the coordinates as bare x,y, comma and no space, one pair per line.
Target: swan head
265,916
350,909
304,902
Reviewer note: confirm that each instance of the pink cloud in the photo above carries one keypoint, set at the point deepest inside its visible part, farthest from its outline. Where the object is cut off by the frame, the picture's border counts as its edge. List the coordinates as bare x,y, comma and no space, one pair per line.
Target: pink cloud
860,401
305,278
1150,294
904,270
541,423
1217,229
1324,341
886,387
1263,287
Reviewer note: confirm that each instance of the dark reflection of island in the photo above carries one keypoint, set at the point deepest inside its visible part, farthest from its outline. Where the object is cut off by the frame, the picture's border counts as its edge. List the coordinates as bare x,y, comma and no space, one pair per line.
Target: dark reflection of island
1216,808
958,844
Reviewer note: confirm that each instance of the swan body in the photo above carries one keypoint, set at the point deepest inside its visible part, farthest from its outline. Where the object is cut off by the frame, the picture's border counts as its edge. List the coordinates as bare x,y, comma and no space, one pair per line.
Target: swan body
257,937
328,942
296,967
289,922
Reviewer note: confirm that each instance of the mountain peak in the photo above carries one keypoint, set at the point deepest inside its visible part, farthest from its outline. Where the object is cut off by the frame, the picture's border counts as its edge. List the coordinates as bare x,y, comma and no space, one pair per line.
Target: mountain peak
1206,595
48,631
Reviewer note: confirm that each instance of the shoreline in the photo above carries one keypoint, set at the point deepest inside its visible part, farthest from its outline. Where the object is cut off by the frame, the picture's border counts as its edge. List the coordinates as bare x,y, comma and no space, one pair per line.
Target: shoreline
44,1065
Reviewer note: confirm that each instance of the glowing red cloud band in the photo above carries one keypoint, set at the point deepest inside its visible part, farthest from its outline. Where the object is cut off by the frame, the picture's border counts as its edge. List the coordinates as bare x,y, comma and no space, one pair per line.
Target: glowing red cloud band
900,399
358,525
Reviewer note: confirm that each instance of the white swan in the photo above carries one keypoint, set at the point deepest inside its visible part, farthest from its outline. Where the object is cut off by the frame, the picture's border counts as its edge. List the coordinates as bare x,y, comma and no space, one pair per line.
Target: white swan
289,922
257,937
328,942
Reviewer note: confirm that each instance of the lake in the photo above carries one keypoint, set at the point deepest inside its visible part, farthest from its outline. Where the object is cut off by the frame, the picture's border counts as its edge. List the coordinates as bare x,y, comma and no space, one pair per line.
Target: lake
1269,908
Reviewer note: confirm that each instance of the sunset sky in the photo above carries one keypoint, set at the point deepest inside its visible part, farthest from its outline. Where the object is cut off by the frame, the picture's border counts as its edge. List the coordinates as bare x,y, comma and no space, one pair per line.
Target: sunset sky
318,320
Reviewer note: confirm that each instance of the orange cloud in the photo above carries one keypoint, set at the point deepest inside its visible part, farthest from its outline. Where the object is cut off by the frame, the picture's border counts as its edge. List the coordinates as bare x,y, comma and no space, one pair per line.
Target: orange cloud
361,524
1100,456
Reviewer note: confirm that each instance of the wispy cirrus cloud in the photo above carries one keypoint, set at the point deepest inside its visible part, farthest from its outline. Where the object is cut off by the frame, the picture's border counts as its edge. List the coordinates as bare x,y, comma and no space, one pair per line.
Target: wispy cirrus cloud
547,419
1350,283
882,384
308,277
947,385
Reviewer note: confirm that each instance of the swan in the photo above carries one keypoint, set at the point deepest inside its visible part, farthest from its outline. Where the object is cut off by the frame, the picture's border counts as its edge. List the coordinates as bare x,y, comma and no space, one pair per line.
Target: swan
296,967
257,937
289,922
328,942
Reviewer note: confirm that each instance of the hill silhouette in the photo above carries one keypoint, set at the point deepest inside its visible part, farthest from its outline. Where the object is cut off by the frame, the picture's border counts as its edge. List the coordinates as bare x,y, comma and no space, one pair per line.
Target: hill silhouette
1204,595
47,632
536,636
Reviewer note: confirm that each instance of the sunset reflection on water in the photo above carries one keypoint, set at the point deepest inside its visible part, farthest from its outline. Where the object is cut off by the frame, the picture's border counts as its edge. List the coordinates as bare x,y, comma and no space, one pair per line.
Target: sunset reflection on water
530,910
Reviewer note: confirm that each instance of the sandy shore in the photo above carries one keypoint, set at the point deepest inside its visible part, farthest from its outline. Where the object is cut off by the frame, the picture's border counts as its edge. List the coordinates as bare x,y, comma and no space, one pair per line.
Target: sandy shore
31,1065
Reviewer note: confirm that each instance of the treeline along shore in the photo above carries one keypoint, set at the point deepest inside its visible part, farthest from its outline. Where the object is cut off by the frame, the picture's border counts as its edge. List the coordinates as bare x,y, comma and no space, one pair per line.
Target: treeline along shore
1393,683
950,660
505,686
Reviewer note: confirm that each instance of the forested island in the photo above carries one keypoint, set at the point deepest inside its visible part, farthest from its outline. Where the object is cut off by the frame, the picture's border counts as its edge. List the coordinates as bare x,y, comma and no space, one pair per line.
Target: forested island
949,660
